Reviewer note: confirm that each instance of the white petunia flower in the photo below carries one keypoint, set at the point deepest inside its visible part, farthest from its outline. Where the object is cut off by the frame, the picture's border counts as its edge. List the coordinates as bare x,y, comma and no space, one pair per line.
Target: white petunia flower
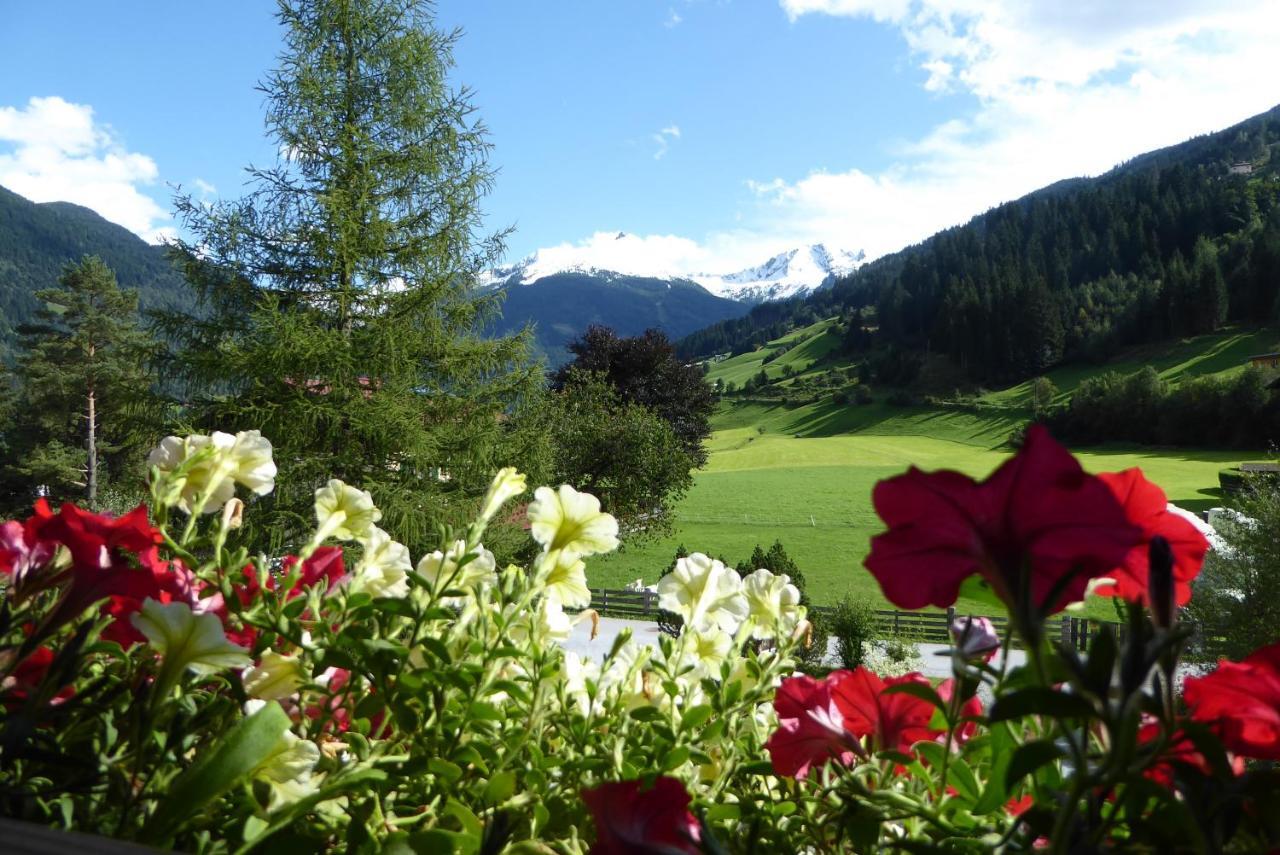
567,519
186,639
288,766
344,513
276,676
705,593
706,652
225,460
506,485
563,578
773,603
577,673
383,569
441,569
249,456
548,621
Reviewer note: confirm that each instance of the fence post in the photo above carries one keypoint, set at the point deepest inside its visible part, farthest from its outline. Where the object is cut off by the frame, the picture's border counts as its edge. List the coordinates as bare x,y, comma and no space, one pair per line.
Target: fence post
951,616
604,600
1065,633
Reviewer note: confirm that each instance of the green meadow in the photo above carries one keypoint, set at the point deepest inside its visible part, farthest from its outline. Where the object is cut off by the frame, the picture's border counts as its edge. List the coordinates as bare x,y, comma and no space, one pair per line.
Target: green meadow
803,475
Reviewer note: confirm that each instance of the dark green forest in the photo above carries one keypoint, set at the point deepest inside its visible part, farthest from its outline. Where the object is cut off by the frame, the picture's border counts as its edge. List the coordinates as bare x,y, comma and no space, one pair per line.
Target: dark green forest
1172,243
38,240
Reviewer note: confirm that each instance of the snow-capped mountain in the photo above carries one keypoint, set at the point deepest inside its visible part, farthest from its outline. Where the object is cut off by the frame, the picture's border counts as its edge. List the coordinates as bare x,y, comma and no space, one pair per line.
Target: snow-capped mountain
787,274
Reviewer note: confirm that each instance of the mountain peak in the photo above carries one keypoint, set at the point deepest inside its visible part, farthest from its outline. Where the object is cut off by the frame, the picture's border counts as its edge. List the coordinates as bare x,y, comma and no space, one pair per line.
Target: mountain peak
789,273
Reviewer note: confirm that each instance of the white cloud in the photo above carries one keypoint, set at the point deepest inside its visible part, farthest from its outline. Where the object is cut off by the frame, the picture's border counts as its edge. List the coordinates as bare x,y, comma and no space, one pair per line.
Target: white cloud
1062,88
673,19
205,188
663,140
53,150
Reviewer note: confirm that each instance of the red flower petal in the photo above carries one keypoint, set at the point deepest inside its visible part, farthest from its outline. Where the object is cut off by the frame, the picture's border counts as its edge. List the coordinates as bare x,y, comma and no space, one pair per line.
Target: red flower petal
811,729
1039,511
1148,508
895,721
632,820
1241,700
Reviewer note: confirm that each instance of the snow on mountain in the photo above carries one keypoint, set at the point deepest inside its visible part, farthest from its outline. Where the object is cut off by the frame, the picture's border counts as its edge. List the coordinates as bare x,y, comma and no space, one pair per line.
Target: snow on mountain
787,274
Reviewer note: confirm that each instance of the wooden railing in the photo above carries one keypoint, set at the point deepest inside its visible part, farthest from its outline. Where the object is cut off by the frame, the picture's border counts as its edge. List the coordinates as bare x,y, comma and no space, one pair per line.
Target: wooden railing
924,627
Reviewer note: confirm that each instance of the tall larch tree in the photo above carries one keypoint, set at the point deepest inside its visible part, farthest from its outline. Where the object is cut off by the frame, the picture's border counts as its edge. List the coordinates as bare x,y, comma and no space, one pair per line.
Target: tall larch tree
342,316
83,374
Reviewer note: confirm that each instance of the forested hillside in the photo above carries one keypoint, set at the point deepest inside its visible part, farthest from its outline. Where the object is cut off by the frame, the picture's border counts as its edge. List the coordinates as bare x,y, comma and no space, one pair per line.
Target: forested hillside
1176,242
37,240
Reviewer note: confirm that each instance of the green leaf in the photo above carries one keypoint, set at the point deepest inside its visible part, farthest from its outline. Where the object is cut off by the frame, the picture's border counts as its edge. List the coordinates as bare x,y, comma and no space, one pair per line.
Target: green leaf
470,823
501,787
1000,744
1030,757
695,717
674,758
963,779
233,759
1039,700
444,769
646,713
437,841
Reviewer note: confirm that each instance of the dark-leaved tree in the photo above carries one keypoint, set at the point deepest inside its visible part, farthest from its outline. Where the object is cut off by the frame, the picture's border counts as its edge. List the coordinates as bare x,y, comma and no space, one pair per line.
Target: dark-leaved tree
645,370
624,453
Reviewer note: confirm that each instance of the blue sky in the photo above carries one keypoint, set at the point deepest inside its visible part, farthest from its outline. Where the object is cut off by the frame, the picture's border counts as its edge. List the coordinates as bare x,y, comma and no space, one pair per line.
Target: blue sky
715,131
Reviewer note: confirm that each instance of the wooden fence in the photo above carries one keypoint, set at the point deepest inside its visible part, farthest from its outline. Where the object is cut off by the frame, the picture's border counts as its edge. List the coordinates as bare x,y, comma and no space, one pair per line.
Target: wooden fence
924,627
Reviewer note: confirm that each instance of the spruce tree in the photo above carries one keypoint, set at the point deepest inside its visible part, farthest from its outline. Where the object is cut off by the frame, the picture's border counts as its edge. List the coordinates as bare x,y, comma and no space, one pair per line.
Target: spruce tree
82,375
342,316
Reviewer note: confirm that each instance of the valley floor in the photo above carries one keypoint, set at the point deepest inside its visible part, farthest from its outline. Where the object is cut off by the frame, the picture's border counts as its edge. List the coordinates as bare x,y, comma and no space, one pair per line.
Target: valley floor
804,476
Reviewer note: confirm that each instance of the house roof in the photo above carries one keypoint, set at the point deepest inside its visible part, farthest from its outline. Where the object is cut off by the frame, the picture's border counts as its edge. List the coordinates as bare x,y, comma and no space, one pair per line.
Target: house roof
1265,355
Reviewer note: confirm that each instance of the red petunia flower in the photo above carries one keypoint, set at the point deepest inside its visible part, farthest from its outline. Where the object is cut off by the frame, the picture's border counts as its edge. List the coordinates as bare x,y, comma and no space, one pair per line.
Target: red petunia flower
811,729
970,711
1180,749
27,677
1038,513
1241,700
112,558
323,565
1148,508
892,722
630,820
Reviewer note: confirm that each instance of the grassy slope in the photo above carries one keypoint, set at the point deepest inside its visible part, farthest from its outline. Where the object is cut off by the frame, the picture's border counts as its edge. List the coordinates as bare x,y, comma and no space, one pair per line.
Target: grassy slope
1221,353
804,474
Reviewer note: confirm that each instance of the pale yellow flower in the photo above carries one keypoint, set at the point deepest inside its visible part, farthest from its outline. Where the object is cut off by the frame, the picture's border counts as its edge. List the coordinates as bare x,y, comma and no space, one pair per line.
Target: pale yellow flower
705,593
706,652
288,767
225,460
383,569
276,676
548,621
773,604
563,577
506,485
441,569
344,513
567,519
186,639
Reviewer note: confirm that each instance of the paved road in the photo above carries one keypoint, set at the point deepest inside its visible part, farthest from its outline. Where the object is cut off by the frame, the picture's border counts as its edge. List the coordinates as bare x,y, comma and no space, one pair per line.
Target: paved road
935,665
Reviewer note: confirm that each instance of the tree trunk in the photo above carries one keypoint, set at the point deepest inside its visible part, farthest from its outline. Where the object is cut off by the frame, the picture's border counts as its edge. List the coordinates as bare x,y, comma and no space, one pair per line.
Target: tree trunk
93,451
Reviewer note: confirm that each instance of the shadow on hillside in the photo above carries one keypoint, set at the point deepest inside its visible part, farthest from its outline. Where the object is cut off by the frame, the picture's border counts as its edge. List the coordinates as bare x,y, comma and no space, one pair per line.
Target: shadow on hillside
830,419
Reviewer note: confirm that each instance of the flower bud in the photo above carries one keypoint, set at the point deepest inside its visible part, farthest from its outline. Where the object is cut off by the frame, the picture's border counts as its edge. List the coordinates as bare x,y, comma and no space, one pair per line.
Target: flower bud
975,637
507,484
232,514
1160,583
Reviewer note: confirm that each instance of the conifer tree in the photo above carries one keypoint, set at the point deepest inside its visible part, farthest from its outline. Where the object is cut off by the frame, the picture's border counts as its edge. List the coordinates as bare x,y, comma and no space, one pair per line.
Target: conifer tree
343,318
82,372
